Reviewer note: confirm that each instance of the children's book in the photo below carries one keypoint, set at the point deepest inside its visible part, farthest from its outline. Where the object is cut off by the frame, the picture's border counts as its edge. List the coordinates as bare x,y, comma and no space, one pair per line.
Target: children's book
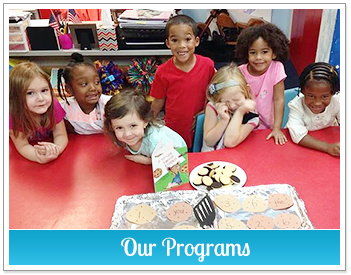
169,166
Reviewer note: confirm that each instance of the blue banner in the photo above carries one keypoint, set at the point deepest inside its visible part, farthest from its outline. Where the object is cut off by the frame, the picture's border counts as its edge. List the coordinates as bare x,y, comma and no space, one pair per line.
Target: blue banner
174,247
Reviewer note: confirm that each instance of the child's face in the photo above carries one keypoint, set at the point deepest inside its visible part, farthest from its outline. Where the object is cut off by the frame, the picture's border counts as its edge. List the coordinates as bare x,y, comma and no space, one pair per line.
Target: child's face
233,98
260,57
129,129
318,95
86,87
38,96
182,42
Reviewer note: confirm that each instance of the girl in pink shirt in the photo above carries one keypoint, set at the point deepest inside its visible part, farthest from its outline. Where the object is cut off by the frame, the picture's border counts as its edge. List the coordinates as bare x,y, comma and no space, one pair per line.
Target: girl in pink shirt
262,48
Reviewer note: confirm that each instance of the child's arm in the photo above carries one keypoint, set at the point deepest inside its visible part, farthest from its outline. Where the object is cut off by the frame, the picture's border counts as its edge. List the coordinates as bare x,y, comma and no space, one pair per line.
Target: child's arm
139,159
60,136
236,132
276,133
330,148
157,105
30,152
214,127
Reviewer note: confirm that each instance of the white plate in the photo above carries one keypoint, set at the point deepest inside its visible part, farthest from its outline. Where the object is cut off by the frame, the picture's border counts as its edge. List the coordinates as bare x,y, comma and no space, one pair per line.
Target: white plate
239,172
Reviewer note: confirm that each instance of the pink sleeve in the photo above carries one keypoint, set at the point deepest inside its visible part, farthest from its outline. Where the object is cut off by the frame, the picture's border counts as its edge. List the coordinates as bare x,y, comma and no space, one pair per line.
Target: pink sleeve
279,72
59,111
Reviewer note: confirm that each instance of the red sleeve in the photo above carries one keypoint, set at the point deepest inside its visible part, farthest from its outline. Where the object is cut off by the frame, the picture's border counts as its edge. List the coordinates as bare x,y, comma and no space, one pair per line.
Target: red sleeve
158,87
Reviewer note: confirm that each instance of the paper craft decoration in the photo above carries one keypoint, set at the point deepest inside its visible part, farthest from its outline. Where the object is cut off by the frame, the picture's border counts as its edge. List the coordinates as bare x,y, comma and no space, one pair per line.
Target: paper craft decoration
141,73
170,166
111,77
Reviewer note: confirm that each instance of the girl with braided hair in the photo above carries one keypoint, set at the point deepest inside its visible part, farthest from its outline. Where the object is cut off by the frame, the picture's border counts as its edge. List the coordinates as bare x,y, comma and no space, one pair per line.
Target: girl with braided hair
318,107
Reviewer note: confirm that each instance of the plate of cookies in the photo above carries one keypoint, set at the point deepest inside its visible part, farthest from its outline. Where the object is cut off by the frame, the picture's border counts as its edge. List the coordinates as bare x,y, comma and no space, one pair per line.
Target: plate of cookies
217,175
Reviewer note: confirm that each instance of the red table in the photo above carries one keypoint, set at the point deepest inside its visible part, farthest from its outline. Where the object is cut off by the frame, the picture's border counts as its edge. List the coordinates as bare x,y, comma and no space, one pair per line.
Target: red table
79,189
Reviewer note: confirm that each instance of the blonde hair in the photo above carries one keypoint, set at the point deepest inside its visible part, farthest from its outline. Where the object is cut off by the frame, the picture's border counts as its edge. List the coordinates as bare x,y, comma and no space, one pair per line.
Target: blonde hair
21,76
225,74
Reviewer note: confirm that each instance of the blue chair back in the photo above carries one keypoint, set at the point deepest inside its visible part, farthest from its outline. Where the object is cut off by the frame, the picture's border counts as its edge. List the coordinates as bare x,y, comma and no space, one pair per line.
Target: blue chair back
289,94
199,132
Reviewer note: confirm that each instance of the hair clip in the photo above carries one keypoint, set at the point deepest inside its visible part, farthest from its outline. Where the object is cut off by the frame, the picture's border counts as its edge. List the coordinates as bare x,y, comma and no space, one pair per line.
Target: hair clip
213,88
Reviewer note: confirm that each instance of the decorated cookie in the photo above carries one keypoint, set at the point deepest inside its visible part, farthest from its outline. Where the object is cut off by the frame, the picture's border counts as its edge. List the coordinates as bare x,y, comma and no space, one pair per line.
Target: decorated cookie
287,221
184,226
180,211
157,172
280,201
227,203
260,222
140,214
254,203
231,223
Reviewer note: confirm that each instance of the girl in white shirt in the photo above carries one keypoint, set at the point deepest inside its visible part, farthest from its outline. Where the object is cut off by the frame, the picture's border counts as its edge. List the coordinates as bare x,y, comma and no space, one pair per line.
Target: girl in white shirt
317,108
85,109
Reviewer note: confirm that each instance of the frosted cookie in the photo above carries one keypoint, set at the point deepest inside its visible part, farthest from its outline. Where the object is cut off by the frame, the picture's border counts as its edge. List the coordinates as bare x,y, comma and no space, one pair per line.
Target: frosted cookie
287,221
225,180
227,203
197,180
157,172
178,212
230,167
140,214
280,201
184,226
231,223
203,171
260,222
207,181
254,203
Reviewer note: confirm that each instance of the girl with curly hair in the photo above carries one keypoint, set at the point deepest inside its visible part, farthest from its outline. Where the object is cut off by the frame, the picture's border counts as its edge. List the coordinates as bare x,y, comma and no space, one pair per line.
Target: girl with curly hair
262,49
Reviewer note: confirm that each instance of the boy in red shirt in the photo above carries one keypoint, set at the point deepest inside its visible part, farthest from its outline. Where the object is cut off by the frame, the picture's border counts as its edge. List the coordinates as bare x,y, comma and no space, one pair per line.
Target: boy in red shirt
181,82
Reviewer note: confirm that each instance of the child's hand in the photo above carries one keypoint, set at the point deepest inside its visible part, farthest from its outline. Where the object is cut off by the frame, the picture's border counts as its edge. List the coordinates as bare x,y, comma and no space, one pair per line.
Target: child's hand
248,106
223,111
139,159
46,151
278,136
334,149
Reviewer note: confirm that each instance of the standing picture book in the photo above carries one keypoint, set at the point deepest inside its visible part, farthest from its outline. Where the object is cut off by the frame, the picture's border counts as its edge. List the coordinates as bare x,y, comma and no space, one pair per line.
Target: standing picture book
169,166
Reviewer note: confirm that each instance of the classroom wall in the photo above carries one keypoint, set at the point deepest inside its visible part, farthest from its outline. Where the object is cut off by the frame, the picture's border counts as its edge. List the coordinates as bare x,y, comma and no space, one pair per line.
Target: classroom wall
282,19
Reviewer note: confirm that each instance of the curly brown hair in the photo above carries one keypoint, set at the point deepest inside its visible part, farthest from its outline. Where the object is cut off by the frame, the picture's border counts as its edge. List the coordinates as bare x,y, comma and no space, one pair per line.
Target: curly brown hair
270,33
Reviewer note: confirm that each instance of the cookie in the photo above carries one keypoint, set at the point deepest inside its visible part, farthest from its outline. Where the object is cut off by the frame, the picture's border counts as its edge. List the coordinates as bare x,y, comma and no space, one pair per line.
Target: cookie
230,167
184,226
260,222
280,201
216,184
184,168
207,180
157,172
254,203
178,212
140,214
227,203
197,180
287,221
225,180
203,171
235,179
231,223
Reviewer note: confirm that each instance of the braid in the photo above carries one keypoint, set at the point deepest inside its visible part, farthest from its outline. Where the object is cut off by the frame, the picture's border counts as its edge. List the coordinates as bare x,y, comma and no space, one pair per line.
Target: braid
60,88
320,71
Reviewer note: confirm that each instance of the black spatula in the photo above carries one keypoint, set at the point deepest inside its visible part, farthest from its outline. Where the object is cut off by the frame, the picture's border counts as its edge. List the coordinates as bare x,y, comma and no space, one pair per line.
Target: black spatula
205,212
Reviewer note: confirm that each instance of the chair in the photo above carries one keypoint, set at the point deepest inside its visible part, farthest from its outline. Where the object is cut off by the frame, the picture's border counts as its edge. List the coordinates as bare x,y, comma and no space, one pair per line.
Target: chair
199,132
289,94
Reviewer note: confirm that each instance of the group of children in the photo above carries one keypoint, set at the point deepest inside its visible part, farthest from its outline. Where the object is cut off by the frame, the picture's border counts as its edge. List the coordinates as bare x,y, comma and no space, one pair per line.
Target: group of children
236,100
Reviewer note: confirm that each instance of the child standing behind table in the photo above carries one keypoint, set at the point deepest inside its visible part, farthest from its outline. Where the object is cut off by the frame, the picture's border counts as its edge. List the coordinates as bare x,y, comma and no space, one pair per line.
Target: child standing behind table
131,125
263,48
35,115
181,82
85,110
317,108
230,114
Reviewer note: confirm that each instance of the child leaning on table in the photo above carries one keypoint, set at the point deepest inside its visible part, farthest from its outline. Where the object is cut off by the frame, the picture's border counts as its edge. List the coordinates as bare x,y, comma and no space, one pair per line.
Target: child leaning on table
317,108
263,48
230,114
131,125
85,109
35,115
180,83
